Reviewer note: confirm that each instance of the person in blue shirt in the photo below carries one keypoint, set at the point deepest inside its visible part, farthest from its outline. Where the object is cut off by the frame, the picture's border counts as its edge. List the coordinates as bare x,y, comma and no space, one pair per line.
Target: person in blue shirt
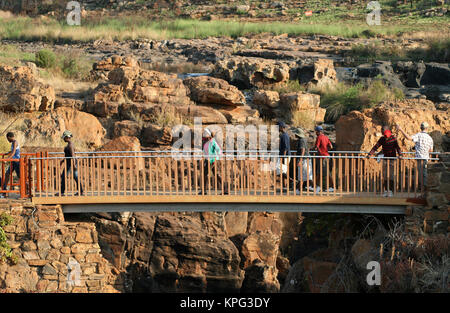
13,154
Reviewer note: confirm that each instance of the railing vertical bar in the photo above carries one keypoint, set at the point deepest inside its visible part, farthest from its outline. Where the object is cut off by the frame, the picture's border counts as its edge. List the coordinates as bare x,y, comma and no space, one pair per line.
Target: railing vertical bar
202,179
182,177
189,172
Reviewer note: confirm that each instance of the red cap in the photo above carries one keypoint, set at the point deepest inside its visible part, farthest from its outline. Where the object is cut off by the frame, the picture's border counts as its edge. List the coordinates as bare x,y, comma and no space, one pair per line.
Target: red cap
387,133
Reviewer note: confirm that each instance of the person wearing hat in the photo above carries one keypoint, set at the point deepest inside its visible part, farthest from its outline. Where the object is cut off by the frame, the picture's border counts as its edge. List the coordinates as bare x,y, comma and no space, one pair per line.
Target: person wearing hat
423,145
69,154
303,164
323,144
389,149
212,150
13,154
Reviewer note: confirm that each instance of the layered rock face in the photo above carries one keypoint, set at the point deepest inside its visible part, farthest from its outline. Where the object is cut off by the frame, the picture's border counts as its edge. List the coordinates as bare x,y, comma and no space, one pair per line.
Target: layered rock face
289,105
127,82
251,72
361,130
194,252
21,90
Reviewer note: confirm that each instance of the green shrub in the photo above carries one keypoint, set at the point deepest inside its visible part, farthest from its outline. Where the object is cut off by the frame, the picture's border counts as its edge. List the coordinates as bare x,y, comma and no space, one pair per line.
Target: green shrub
342,99
46,59
5,250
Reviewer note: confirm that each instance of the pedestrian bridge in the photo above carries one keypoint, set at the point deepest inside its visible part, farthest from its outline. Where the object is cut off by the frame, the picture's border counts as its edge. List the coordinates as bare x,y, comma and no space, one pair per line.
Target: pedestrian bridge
115,181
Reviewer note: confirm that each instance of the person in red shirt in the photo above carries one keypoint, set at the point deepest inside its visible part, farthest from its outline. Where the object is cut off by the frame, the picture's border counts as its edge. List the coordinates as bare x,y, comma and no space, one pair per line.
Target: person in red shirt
390,150
323,144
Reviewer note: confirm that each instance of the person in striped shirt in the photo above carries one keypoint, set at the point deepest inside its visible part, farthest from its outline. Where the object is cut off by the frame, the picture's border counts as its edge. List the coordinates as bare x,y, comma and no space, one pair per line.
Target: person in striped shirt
389,149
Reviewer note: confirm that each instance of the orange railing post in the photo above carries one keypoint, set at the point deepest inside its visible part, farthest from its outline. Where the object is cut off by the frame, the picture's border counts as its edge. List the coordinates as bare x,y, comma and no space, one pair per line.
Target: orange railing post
22,180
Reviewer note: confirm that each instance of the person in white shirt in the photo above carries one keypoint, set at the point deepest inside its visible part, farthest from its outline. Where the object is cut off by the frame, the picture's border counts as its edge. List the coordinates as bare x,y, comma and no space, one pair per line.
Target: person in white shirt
423,146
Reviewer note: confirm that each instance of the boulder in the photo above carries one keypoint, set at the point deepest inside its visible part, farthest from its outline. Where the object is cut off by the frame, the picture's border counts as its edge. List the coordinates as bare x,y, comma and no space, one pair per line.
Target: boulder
208,114
126,128
48,127
410,73
240,115
212,91
21,90
361,130
122,143
260,278
436,74
155,87
126,143
106,100
266,98
366,73
246,73
320,74
101,69
156,135
299,103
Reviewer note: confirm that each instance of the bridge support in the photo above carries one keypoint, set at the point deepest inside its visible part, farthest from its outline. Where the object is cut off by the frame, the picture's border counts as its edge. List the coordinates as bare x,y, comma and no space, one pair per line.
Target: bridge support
239,207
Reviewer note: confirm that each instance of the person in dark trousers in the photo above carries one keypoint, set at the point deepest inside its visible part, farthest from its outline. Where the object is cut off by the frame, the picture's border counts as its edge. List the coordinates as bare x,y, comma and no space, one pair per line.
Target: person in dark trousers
13,154
303,164
389,149
323,145
285,151
69,154
212,152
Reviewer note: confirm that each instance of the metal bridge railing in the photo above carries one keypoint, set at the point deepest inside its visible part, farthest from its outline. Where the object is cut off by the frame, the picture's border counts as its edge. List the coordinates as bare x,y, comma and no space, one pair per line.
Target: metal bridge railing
135,174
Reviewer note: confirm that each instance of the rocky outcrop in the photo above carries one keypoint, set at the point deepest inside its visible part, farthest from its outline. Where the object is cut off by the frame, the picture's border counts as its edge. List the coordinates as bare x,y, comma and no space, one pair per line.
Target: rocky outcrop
21,90
361,130
366,73
305,104
156,135
48,127
266,98
101,69
246,73
320,74
54,255
170,252
127,82
126,128
213,91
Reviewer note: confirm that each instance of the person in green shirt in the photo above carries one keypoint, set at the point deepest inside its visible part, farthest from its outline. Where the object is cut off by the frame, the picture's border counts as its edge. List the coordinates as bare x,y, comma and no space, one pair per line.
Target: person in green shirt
212,152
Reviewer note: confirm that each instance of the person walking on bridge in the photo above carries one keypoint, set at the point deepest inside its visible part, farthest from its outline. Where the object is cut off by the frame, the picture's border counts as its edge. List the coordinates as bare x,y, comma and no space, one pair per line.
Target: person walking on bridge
389,149
212,152
323,145
13,154
304,165
71,163
423,147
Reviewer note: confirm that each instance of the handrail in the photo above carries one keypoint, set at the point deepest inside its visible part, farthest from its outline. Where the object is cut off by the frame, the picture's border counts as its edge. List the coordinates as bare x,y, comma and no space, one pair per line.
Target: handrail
178,173
201,155
228,151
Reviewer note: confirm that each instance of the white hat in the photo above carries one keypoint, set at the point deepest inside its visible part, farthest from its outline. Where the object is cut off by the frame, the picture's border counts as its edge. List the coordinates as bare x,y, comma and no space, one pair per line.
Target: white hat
207,133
